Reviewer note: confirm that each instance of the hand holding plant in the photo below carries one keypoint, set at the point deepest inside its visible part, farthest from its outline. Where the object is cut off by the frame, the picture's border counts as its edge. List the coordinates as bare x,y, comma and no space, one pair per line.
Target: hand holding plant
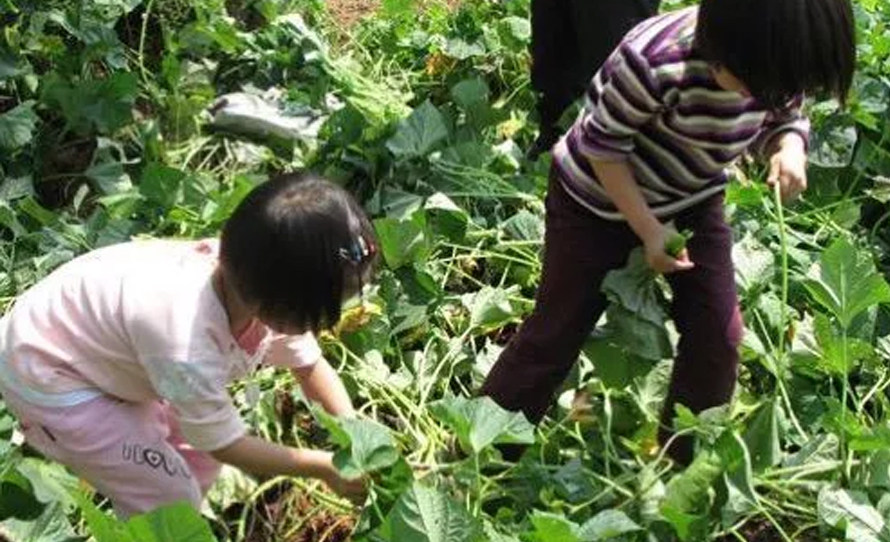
666,251
788,167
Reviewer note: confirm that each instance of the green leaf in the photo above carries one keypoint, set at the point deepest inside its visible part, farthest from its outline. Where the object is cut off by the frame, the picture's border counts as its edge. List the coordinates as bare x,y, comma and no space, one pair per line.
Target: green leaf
107,170
403,242
419,134
490,308
425,514
741,499
548,527
616,367
104,105
398,8
606,525
17,126
446,218
178,522
516,28
851,512
365,446
845,282
480,422
470,94
639,334
16,187
688,495
162,185
50,481
19,502
461,49
762,437
754,263
525,226
174,523
635,313
50,526
833,142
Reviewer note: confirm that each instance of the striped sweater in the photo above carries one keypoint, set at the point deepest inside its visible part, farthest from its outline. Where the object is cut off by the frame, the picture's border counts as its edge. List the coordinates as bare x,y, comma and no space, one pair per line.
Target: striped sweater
656,105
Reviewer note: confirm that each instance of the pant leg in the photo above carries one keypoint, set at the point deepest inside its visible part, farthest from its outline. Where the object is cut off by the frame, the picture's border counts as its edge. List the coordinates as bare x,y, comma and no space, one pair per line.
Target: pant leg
118,447
579,250
706,312
570,41
554,54
599,26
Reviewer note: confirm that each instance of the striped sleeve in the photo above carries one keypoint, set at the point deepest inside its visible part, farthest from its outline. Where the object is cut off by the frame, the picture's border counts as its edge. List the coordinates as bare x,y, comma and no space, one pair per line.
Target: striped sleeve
789,119
622,98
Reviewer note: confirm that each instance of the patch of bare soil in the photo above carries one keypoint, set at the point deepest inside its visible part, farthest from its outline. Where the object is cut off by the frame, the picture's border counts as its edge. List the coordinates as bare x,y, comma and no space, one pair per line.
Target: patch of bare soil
284,514
348,12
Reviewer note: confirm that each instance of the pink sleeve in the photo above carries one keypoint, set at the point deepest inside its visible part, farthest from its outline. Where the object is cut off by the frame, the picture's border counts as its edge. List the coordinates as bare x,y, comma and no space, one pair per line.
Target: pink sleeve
293,351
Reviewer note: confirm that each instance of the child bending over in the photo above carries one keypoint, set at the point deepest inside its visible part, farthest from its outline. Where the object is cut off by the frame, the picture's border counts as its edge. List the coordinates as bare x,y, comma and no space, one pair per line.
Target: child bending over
116,364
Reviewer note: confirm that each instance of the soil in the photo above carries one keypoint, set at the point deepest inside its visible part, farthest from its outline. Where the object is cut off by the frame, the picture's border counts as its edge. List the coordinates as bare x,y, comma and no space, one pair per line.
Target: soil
764,531
284,514
348,12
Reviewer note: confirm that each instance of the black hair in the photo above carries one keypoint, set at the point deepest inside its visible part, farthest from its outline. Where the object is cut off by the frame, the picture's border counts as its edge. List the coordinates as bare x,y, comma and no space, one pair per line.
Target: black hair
781,48
296,247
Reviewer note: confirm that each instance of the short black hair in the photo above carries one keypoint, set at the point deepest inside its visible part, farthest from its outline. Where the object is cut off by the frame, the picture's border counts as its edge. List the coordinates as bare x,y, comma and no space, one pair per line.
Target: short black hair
781,48
297,246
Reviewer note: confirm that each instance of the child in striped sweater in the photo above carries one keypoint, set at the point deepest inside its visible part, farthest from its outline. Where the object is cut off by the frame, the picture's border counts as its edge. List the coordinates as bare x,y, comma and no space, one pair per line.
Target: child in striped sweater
681,98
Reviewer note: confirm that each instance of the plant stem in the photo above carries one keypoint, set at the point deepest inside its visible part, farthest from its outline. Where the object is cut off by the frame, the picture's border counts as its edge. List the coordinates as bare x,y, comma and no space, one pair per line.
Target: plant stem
783,315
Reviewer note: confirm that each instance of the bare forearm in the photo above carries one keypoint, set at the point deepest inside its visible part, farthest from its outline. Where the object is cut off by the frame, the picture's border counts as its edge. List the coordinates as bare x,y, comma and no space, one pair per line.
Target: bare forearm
262,458
320,383
619,182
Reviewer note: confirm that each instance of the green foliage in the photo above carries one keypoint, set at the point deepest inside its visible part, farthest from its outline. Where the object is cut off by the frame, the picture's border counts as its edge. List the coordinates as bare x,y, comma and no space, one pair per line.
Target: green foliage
425,112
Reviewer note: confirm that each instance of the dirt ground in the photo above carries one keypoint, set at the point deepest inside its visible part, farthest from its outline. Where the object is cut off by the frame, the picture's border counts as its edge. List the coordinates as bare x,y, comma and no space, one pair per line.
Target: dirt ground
349,12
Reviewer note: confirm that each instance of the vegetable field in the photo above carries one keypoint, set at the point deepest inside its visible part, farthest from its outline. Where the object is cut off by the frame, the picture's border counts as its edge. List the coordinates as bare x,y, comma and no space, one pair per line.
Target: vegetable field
111,128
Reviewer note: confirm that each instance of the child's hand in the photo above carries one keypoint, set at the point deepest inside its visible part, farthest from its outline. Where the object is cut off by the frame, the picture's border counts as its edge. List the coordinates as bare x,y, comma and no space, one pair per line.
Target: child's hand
788,167
353,490
657,255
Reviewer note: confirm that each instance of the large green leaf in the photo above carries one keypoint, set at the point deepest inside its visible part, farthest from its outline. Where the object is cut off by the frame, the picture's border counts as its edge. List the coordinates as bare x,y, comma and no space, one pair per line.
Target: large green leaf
426,514
635,314
490,308
104,105
753,262
762,436
853,513
420,133
741,499
845,282
606,525
480,422
50,481
365,446
178,522
547,527
403,242
17,126
50,526
688,495
162,185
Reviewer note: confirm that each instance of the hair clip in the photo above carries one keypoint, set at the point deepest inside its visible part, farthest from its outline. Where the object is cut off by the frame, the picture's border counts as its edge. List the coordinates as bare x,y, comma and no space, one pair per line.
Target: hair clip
358,251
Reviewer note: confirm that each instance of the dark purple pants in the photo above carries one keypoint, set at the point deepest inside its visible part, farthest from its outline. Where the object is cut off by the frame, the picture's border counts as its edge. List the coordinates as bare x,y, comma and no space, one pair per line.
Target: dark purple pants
579,250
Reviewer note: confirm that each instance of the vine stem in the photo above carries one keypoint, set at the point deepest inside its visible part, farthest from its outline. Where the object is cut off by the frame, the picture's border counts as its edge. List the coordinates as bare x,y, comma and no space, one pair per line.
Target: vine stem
783,313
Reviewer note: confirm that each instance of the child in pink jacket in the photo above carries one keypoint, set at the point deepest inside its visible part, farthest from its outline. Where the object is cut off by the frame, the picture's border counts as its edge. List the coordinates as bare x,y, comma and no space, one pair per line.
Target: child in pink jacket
117,363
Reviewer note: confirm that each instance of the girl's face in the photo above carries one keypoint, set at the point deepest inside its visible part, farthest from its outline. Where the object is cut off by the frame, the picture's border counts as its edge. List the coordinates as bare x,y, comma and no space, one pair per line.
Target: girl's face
728,81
